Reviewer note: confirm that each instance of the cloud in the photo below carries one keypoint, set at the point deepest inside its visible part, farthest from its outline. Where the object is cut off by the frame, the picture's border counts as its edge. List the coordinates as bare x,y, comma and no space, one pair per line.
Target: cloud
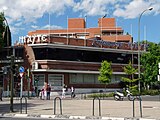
93,7
30,10
132,9
51,27
20,12
34,26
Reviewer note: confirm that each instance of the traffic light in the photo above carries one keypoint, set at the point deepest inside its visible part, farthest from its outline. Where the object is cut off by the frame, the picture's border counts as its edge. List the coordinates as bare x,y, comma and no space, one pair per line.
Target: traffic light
36,79
4,70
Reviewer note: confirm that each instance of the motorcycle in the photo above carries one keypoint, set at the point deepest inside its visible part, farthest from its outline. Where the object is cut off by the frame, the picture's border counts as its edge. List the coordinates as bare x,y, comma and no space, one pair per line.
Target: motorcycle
129,95
120,96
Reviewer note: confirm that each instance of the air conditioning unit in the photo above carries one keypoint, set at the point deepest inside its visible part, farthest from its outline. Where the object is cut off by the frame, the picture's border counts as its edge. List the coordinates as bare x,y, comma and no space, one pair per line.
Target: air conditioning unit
34,65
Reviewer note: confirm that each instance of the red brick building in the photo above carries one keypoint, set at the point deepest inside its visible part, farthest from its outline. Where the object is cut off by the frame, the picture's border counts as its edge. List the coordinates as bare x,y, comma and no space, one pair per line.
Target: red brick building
73,56
106,29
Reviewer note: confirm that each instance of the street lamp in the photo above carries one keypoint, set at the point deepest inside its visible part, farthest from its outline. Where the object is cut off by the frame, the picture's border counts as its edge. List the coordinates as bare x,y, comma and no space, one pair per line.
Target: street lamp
139,71
101,23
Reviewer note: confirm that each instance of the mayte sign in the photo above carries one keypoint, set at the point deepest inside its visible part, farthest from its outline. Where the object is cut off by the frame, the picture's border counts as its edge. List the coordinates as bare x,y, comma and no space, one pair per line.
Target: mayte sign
33,39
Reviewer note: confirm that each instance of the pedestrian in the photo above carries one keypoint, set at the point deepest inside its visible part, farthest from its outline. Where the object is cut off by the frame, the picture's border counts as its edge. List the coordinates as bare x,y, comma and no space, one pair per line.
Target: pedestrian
72,92
35,90
1,93
43,93
48,91
63,92
32,91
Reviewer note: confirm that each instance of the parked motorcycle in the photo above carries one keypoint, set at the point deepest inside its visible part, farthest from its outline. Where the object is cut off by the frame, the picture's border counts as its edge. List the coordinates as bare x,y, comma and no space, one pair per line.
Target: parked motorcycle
129,95
120,96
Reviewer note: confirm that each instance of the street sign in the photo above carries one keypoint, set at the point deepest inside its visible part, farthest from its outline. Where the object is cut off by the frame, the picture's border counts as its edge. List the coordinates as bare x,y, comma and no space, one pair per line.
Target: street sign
21,74
21,69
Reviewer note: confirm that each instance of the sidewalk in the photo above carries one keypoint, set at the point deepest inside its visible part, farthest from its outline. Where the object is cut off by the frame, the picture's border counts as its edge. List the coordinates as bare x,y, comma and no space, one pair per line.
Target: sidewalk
82,109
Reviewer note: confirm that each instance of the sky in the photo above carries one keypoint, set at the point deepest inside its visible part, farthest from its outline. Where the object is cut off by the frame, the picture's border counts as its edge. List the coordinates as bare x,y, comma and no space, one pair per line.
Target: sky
29,15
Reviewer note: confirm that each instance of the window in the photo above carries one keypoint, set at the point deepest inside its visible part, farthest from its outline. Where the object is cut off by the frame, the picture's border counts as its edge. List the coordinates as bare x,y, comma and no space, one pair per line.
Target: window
56,81
41,80
88,78
83,78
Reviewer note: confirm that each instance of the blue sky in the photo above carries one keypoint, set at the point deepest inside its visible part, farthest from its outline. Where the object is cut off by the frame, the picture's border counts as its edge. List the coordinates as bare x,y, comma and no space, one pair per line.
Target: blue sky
28,15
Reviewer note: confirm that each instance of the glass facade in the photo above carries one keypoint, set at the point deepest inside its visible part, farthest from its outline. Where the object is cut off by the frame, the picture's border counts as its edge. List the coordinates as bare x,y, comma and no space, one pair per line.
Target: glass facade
82,55
90,79
41,80
56,81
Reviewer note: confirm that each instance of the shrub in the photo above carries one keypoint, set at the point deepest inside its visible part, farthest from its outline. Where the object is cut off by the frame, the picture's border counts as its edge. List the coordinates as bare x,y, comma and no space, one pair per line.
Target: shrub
150,92
100,95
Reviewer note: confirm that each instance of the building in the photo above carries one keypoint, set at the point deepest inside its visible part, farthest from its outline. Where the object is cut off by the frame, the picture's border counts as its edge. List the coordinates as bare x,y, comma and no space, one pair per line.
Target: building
73,56
106,29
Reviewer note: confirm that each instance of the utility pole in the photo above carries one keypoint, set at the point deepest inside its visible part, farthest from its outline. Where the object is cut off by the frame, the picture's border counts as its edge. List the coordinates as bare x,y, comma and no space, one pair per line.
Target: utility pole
12,82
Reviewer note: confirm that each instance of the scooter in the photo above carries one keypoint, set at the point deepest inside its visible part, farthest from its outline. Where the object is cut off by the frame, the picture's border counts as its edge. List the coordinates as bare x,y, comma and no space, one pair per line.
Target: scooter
120,96
129,95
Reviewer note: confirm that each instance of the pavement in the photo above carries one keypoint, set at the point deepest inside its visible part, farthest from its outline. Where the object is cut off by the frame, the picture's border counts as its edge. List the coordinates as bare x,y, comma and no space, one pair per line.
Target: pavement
77,108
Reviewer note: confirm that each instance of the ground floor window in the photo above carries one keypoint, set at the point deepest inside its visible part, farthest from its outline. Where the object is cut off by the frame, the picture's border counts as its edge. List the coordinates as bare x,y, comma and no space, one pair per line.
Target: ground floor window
116,78
56,81
83,78
90,78
39,80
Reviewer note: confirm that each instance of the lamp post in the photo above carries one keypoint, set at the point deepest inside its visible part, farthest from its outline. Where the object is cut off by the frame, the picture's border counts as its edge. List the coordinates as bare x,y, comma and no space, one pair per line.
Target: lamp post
101,24
139,70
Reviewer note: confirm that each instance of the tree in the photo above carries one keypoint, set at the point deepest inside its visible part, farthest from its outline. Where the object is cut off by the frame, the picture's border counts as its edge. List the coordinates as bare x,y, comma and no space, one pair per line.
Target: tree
105,72
2,29
130,71
149,61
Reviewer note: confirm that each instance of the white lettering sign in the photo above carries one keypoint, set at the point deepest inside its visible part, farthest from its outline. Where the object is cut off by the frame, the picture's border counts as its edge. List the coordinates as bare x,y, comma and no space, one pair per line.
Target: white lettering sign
33,39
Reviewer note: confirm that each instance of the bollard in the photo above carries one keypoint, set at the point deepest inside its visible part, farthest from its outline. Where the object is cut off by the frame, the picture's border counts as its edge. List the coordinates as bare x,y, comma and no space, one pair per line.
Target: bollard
99,106
22,104
140,105
55,105
133,108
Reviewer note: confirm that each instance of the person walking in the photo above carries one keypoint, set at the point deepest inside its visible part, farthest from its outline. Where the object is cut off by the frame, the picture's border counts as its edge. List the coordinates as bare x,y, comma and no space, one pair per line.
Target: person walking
1,93
43,93
72,92
48,91
63,92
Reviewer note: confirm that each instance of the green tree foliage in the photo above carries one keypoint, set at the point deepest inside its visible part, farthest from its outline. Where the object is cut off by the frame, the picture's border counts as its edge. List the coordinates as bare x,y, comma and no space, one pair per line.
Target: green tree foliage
2,29
105,72
149,61
130,71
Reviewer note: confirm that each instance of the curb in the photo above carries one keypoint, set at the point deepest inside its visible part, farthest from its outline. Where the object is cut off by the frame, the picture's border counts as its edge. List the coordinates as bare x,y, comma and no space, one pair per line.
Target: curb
69,117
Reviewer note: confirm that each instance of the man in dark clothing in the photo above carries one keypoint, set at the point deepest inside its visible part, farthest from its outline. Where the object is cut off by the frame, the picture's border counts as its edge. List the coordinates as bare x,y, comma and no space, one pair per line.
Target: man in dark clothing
72,92
1,92
48,92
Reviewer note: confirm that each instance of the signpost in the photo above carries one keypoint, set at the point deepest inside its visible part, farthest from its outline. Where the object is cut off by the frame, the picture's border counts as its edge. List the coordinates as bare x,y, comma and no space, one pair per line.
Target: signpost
21,72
